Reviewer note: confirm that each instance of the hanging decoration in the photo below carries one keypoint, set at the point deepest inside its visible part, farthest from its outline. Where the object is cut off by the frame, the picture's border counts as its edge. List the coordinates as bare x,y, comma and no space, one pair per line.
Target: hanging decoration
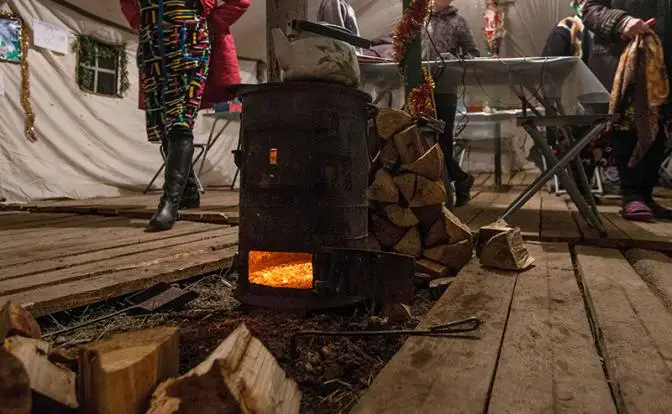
420,100
14,44
493,25
87,47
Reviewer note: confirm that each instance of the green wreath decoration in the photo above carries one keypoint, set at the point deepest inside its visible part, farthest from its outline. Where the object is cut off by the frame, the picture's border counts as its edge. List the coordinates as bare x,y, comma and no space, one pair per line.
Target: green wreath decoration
86,46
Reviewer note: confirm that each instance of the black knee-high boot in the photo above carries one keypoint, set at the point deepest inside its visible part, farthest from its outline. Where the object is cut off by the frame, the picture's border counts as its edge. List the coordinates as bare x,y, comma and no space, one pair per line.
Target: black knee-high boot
191,198
178,164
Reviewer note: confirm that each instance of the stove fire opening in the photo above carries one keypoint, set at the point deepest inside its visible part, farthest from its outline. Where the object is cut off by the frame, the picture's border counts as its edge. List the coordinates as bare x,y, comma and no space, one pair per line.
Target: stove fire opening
280,269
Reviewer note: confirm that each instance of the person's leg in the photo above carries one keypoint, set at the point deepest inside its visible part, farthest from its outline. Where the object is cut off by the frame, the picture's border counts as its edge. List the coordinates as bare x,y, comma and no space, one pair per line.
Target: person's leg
650,171
631,179
446,106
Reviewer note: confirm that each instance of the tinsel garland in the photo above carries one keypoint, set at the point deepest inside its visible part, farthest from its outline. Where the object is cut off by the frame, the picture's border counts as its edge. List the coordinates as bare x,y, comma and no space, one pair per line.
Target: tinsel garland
29,124
420,100
88,46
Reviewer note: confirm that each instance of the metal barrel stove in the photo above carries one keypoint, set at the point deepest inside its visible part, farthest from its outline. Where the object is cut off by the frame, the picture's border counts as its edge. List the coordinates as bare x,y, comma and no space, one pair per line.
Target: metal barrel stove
304,163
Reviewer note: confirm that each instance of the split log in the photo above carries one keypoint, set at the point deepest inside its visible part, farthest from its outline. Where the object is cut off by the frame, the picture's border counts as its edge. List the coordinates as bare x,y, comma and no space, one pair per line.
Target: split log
432,268
427,216
447,229
454,256
428,192
372,243
386,232
15,394
485,233
406,185
430,165
55,384
389,121
15,320
506,251
409,144
401,216
410,244
383,188
119,374
437,287
389,157
240,376
396,312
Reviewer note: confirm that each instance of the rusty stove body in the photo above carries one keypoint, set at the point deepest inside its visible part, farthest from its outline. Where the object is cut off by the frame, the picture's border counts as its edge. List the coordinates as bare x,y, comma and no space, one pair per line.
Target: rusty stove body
303,201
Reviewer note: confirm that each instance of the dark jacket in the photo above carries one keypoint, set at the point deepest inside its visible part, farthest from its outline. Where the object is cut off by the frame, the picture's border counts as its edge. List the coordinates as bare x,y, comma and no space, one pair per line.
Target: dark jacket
569,38
605,17
448,32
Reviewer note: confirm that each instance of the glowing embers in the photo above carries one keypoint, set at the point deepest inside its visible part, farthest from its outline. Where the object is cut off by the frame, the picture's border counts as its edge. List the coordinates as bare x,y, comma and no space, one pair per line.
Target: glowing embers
281,269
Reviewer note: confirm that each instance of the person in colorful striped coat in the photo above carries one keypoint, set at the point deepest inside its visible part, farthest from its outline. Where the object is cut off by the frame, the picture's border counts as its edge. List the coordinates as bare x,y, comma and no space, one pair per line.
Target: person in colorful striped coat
186,58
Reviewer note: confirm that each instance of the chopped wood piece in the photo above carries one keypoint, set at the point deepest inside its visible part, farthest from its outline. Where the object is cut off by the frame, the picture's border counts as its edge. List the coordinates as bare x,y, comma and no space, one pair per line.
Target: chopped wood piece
454,256
428,192
54,383
65,357
438,286
506,251
401,216
427,216
396,312
430,165
119,374
406,184
386,232
389,157
447,229
240,376
15,395
15,320
410,244
383,188
372,243
389,121
485,233
409,144
434,269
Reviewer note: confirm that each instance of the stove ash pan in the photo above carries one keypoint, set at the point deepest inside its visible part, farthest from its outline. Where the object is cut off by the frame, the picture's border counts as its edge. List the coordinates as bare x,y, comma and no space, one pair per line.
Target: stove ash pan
304,164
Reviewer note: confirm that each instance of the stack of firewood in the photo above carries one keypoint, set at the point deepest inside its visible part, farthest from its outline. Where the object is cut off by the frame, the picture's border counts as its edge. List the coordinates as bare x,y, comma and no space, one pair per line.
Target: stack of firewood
136,372
407,198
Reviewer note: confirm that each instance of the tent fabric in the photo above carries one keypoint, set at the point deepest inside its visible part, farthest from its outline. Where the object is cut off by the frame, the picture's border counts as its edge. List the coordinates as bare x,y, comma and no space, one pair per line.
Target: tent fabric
88,145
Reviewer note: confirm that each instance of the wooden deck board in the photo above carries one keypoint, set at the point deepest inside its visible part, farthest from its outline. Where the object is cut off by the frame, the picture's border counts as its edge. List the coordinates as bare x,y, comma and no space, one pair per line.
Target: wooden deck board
633,331
54,264
548,361
655,269
433,375
557,223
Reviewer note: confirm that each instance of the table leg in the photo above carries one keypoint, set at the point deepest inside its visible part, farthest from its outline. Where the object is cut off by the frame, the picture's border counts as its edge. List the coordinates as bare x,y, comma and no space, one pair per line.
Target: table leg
557,167
498,155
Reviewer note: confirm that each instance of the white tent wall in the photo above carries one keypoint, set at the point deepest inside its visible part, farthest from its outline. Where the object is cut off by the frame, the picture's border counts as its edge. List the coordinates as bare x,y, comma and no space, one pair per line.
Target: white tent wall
88,145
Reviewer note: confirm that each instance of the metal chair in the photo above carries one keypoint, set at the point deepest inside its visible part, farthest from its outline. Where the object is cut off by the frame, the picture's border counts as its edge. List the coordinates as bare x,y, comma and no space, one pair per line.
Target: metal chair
199,149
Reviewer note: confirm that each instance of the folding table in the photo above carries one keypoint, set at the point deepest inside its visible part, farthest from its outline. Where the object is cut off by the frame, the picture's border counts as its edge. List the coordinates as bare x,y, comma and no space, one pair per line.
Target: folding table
569,94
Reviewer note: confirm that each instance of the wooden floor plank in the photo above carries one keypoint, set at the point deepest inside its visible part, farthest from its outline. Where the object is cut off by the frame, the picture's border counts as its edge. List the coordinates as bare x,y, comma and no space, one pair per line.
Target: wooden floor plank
633,331
100,257
137,261
614,238
439,375
557,223
12,219
549,363
643,235
51,299
655,269
89,240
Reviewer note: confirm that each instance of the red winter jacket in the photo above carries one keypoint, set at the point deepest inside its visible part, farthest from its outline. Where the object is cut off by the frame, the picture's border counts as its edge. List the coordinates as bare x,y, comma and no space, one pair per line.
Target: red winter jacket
224,69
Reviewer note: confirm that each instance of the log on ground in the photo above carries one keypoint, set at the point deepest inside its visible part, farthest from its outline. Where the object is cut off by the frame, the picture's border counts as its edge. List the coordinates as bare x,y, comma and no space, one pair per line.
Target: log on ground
454,256
15,320
15,394
240,376
119,374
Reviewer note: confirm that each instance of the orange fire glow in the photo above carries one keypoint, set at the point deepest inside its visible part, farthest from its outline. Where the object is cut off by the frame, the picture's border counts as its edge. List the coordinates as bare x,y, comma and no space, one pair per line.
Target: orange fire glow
281,269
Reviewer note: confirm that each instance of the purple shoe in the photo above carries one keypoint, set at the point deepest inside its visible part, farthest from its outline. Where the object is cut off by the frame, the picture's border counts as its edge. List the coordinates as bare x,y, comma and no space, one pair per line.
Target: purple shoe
637,211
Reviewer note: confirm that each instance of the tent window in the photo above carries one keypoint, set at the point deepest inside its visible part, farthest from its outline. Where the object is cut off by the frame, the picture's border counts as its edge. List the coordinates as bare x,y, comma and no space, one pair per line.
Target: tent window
98,67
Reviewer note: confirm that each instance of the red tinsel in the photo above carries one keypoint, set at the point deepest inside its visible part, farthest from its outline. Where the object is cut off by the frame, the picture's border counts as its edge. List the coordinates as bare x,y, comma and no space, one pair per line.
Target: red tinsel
420,101
409,28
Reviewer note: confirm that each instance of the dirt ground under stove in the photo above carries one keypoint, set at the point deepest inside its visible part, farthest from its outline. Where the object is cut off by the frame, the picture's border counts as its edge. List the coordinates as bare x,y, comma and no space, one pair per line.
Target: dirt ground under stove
332,372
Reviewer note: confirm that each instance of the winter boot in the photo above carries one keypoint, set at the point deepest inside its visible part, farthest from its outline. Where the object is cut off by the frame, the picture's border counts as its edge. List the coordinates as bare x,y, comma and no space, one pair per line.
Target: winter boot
191,197
178,164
